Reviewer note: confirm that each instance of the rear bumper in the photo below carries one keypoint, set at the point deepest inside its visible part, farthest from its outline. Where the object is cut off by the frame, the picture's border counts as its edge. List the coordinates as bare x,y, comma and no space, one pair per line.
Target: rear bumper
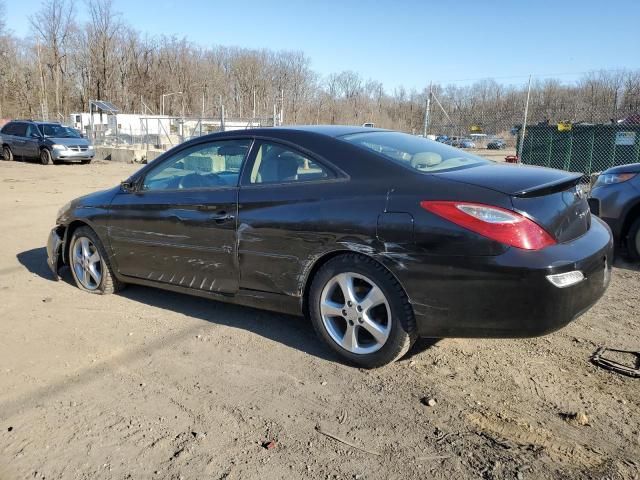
54,251
508,295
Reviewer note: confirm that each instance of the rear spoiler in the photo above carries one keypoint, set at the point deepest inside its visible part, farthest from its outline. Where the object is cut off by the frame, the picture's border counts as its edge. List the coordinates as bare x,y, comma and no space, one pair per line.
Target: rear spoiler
571,180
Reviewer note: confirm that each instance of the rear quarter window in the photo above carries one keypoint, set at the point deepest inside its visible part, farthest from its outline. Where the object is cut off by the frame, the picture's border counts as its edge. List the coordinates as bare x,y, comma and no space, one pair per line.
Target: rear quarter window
416,153
8,129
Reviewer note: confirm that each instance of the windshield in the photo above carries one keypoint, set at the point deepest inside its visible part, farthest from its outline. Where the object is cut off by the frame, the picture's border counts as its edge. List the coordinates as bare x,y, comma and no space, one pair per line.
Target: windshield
415,152
58,131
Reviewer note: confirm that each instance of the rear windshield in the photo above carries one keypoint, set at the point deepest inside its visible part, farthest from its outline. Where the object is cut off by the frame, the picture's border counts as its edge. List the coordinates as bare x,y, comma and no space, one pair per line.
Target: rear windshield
415,152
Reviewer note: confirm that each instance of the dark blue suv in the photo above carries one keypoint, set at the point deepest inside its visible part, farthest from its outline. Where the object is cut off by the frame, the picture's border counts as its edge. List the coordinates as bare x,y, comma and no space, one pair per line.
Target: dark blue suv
46,141
615,198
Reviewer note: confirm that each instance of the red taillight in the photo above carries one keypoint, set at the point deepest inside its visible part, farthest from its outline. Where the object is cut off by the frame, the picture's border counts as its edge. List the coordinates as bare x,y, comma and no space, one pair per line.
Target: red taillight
499,224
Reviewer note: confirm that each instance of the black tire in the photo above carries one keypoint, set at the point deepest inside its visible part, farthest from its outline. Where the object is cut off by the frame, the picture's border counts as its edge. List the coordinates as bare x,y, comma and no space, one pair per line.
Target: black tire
108,282
633,241
7,154
402,332
45,157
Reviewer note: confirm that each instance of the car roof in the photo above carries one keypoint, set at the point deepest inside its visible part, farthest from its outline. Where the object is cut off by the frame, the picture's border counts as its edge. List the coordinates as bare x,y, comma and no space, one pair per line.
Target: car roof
326,130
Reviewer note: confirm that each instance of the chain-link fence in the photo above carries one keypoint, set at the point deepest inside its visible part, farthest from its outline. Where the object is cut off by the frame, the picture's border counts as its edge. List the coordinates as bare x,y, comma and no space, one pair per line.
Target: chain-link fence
582,148
587,125
159,132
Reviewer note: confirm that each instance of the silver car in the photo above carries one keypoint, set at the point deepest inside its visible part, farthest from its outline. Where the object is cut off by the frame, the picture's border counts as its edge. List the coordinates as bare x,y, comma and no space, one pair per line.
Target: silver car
45,141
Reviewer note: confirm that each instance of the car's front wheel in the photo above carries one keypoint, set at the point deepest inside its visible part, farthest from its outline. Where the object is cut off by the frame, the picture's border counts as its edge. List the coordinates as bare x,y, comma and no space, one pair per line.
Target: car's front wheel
361,311
633,240
90,266
45,157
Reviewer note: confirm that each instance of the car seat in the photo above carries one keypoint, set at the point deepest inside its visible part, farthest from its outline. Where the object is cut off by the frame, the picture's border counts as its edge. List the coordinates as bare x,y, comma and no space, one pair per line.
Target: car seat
425,160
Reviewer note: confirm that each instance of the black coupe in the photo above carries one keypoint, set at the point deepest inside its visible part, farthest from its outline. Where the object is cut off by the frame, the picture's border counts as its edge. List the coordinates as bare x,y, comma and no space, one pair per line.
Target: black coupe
379,237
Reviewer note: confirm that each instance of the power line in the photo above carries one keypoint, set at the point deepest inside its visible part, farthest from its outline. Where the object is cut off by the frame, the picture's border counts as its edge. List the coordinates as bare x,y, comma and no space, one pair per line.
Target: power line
534,75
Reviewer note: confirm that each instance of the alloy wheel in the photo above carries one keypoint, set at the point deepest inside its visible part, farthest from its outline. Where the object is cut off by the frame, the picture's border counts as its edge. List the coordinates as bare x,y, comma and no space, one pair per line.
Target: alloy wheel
86,263
355,313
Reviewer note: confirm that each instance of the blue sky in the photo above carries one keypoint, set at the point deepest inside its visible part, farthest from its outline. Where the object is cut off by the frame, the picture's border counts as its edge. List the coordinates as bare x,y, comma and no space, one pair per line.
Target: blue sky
402,42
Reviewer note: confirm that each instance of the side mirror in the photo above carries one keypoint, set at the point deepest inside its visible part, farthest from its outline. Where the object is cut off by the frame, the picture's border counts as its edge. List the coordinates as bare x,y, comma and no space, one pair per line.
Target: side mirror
128,186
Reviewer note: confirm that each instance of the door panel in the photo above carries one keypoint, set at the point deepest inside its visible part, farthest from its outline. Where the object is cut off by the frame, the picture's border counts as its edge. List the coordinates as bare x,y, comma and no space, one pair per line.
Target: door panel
31,142
182,238
179,226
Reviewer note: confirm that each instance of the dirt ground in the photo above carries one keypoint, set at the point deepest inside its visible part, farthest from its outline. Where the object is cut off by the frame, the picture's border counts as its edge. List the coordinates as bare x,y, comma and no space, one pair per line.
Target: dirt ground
151,384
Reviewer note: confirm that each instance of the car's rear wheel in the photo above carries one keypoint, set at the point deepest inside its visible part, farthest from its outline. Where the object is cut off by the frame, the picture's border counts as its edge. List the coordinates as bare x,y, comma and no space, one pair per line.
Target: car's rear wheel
633,240
45,157
7,154
360,310
90,266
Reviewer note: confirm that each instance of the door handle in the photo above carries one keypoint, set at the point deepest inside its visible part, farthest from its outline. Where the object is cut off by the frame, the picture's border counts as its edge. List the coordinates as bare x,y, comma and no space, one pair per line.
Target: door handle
220,217
223,217
206,208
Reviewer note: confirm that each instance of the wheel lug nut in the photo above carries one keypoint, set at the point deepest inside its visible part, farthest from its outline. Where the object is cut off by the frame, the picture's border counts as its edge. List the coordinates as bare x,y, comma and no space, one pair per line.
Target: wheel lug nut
349,303
344,312
360,319
359,308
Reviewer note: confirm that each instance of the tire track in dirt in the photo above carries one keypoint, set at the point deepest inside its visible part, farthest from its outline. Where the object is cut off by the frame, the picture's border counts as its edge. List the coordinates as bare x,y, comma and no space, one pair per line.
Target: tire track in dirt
509,432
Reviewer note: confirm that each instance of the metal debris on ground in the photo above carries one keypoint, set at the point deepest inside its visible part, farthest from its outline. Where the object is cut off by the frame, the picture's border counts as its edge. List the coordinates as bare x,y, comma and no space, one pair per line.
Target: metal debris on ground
632,370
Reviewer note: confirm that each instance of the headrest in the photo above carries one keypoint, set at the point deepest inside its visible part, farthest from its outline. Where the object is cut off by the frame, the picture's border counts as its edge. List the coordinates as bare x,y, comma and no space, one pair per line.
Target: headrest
287,166
425,160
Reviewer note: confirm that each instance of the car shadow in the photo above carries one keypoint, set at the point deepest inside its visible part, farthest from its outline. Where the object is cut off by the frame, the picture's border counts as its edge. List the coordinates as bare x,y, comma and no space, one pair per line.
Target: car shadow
420,345
35,260
626,264
292,331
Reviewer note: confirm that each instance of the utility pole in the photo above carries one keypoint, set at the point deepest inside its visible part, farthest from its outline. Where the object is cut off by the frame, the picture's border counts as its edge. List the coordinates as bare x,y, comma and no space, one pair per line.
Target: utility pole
524,123
281,106
426,111
254,106
43,104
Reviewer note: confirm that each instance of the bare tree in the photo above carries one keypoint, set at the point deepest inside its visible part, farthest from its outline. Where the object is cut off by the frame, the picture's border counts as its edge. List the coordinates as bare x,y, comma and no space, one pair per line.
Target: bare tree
102,32
53,25
105,58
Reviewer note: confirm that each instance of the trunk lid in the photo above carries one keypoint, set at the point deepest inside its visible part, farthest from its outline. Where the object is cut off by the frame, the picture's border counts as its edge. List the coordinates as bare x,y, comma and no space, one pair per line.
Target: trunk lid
552,198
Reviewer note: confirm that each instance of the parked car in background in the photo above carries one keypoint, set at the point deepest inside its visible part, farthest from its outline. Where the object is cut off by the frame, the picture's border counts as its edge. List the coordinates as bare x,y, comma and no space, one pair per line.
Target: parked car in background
379,237
442,138
45,141
496,144
615,198
463,143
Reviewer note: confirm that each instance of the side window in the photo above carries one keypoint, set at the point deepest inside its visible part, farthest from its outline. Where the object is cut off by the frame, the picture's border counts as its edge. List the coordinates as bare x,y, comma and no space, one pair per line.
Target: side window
20,129
209,165
276,163
8,129
32,131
